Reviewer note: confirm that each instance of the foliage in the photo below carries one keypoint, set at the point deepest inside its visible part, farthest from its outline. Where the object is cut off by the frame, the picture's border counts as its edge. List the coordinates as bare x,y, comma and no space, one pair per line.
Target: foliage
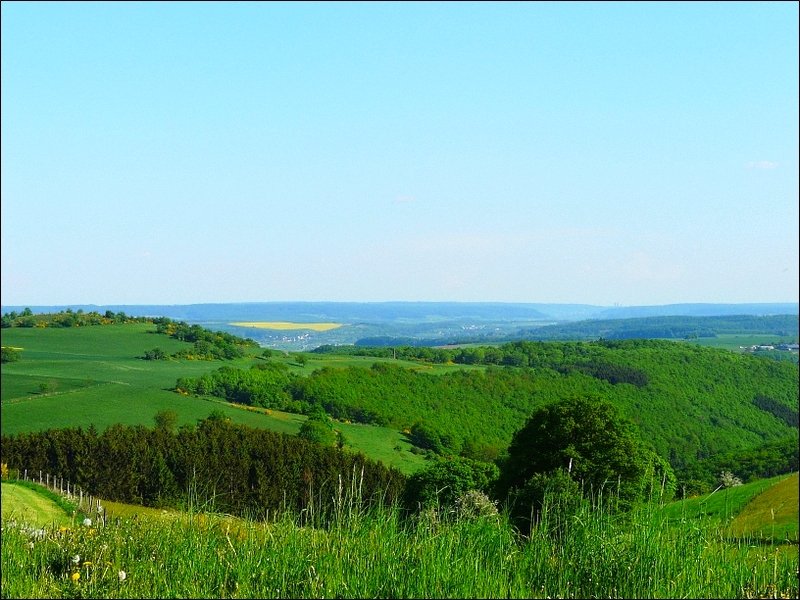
549,499
9,354
697,407
443,483
243,469
760,462
154,354
584,437
206,344
780,411
264,384
318,430
166,419
691,403
67,318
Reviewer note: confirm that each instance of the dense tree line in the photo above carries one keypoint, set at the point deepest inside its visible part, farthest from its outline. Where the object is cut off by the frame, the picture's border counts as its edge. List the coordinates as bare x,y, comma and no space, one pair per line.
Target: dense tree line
768,459
67,318
206,344
242,470
780,411
677,327
691,403
265,384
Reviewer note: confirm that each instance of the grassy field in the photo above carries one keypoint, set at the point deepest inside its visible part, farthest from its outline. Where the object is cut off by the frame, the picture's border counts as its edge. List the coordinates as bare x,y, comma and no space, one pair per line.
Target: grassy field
91,375
30,507
762,511
379,553
773,514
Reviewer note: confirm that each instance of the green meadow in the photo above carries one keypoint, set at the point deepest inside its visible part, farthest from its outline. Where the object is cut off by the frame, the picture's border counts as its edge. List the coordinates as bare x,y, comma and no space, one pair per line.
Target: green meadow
30,506
146,553
74,377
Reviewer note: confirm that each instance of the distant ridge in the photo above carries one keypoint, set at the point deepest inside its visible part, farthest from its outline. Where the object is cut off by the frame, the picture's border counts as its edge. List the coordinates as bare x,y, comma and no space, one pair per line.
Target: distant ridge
378,312
699,310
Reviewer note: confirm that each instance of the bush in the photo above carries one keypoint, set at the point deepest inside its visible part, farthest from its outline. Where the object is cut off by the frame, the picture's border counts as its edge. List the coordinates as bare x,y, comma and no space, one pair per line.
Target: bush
444,482
9,354
318,430
546,499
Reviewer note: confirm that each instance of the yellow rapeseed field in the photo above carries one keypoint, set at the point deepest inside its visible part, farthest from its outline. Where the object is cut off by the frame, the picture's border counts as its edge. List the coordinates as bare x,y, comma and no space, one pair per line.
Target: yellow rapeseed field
287,325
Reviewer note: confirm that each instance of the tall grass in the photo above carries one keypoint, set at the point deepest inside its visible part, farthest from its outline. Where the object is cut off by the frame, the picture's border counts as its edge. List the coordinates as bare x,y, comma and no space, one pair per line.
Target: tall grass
344,550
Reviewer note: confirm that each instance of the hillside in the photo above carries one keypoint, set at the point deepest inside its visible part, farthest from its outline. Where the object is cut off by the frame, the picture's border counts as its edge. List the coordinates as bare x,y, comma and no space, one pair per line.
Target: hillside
650,554
698,407
77,376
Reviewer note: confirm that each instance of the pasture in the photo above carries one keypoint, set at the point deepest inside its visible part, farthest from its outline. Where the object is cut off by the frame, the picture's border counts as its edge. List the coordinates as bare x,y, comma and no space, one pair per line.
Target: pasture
76,377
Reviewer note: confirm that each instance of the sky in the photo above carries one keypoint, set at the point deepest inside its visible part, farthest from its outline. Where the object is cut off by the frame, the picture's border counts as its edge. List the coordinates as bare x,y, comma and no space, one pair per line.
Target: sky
599,153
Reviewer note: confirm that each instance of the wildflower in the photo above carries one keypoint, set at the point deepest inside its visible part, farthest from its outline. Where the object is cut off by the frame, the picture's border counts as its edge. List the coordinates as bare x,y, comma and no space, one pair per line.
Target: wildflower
75,576
87,522
122,575
76,559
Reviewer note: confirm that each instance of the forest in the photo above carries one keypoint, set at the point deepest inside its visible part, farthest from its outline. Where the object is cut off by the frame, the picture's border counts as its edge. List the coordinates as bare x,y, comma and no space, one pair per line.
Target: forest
241,470
693,404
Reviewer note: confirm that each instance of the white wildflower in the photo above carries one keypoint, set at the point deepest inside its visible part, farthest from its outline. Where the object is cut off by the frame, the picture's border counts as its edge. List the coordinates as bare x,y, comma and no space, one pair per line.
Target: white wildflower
87,522
122,575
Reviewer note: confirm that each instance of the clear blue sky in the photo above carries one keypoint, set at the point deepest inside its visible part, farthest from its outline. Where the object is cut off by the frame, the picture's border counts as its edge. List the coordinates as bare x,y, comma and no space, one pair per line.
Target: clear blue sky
598,153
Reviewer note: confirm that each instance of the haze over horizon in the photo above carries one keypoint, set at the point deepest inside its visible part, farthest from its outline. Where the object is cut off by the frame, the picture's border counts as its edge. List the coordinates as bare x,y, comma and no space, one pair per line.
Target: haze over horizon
632,154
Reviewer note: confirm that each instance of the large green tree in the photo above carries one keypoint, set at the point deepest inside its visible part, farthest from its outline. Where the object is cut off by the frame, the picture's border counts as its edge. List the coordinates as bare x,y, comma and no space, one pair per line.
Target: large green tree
587,438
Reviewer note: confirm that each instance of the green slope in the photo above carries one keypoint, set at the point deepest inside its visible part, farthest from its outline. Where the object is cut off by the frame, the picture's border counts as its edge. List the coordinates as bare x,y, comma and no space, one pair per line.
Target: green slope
28,506
92,376
773,514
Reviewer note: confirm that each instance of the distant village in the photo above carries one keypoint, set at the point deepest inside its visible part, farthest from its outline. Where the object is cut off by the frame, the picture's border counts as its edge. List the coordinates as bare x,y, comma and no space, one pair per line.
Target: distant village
792,347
